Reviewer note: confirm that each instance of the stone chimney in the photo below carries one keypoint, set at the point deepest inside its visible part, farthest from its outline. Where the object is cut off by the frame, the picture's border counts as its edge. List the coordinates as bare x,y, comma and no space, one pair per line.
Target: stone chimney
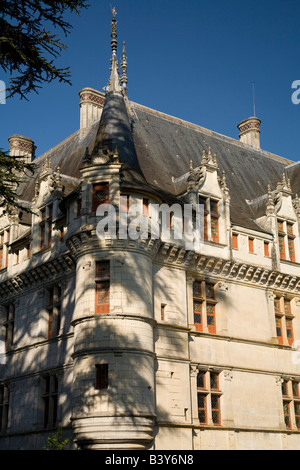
91,106
249,131
20,146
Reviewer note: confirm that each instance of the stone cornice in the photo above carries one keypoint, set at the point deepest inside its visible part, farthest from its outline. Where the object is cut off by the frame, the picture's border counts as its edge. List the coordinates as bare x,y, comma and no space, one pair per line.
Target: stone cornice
235,271
227,269
176,255
36,275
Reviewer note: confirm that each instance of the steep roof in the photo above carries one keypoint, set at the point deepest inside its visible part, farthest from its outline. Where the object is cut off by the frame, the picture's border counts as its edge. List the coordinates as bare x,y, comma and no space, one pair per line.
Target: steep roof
155,148
165,145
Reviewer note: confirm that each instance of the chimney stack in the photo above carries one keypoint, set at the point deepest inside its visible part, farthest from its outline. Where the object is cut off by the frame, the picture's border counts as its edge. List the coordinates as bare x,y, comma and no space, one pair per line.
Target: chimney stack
20,146
249,131
91,106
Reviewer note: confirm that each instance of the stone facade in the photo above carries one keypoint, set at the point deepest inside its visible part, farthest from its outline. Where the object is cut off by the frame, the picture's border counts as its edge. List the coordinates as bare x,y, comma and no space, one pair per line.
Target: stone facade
143,343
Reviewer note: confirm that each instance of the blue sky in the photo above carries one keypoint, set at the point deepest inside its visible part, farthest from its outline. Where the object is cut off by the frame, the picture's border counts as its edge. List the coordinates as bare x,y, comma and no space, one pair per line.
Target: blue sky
193,59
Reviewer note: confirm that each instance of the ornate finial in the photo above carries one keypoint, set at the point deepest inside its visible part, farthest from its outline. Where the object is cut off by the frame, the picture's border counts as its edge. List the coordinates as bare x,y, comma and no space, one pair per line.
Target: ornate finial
114,32
204,158
124,79
114,81
270,207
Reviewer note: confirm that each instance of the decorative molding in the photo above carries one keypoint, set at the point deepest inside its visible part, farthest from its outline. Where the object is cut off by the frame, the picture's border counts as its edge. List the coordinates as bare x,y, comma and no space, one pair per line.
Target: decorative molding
39,274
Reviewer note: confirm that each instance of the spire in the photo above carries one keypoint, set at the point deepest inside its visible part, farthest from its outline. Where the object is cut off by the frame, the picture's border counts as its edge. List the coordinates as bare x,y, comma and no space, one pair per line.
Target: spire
114,81
124,79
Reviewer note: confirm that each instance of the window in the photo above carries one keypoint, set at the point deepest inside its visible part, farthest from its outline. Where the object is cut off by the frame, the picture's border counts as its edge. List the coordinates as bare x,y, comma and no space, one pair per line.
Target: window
251,244
162,312
204,306
290,237
54,310
266,249
281,236
4,243
101,376
211,219
100,195
46,227
49,396
208,397
145,206
42,229
4,407
61,233
284,320
9,326
235,241
291,403
49,225
214,220
102,287
288,321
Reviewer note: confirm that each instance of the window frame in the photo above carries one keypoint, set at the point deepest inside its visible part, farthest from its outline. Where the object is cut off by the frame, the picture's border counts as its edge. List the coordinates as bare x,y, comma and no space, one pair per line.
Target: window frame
102,279
99,187
235,241
285,317
210,395
50,400
53,307
286,237
291,403
102,376
9,325
4,407
211,218
267,249
4,248
207,312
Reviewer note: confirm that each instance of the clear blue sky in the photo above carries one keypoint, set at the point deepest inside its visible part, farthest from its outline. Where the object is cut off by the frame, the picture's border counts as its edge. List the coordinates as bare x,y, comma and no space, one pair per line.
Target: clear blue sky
193,59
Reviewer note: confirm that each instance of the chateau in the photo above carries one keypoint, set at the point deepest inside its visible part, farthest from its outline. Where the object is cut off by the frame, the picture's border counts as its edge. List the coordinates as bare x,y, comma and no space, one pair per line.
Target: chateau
149,342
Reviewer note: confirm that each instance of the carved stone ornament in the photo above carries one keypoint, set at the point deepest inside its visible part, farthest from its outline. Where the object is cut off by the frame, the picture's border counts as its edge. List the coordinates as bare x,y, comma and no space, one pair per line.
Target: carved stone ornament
103,154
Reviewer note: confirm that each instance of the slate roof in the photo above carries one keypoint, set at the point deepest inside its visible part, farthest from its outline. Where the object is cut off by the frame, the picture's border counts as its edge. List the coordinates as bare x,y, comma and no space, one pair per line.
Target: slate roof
154,148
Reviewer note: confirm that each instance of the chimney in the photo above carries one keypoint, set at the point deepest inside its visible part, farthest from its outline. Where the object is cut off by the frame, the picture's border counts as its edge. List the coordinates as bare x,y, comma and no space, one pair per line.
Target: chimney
20,146
249,131
91,106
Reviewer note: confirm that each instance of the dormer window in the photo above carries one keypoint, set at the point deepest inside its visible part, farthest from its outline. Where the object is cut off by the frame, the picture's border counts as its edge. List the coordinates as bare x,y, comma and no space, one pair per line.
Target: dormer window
4,242
46,227
281,235
290,237
286,240
100,195
211,218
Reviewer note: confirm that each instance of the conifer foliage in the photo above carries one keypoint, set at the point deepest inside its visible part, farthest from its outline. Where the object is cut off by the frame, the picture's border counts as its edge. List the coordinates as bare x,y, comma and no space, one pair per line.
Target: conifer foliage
28,44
